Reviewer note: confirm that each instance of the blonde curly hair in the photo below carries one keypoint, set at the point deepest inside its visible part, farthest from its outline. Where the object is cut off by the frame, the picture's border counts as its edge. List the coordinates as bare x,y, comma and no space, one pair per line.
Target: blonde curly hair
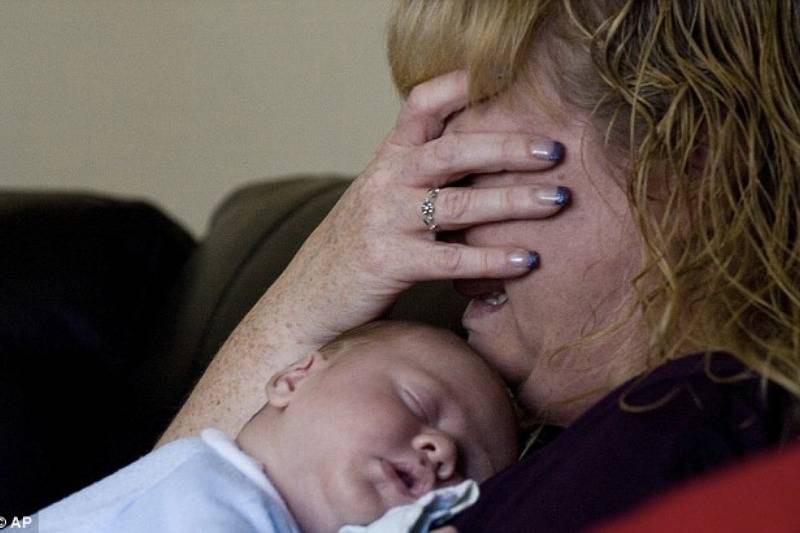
702,98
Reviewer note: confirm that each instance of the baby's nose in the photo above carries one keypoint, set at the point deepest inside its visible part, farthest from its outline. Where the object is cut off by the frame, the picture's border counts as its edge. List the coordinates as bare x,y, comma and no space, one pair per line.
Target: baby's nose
441,450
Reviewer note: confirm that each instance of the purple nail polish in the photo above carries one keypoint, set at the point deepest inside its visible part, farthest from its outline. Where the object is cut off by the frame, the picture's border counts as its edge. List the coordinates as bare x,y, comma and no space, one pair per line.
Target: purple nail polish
520,259
547,150
553,195
563,196
558,151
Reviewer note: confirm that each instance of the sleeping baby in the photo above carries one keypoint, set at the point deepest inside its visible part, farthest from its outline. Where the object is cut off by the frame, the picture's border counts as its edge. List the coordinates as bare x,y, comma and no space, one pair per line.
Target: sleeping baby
390,414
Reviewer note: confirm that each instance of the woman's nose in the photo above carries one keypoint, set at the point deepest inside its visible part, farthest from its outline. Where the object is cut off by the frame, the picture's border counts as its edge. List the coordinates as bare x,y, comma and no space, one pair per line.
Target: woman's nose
441,450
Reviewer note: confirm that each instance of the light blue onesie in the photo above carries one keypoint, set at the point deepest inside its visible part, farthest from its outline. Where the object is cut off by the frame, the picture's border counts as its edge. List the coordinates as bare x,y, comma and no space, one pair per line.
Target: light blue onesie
202,483
208,484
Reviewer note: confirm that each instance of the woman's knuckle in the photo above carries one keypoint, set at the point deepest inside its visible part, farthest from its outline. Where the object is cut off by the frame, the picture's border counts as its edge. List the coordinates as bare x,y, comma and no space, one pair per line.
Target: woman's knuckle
512,200
456,204
417,102
445,150
449,259
508,148
485,262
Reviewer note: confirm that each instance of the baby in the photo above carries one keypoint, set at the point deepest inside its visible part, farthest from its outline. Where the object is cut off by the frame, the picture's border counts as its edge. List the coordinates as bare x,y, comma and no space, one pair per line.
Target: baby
373,420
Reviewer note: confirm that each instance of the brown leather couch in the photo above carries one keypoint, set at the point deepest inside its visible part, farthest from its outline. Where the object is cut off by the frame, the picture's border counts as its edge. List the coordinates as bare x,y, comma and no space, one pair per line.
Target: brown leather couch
110,311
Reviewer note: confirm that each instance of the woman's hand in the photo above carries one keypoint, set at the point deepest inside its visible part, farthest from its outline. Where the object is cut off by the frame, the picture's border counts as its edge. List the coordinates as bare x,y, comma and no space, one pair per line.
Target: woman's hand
374,244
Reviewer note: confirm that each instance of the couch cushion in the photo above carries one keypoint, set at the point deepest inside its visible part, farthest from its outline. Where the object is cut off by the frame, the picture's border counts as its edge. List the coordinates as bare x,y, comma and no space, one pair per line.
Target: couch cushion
81,279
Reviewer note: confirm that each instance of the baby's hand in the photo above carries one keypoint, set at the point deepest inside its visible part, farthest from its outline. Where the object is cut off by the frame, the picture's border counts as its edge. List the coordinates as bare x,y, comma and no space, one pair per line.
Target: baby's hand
445,529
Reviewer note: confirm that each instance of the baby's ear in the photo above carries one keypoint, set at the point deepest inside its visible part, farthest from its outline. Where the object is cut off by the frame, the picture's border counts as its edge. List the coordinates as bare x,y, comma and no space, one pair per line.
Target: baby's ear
282,385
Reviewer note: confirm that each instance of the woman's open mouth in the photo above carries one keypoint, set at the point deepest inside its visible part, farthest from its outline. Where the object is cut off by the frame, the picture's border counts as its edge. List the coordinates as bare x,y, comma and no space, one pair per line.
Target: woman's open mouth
485,304
494,299
487,295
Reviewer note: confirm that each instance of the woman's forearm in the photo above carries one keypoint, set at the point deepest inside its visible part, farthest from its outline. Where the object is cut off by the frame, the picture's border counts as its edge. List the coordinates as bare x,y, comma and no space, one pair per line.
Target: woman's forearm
232,388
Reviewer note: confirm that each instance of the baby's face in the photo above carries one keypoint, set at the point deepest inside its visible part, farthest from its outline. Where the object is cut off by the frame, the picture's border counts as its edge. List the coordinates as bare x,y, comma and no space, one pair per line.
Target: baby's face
384,425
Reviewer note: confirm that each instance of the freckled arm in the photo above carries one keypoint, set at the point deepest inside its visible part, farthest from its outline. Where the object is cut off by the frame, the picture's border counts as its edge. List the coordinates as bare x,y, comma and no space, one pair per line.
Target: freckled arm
232,388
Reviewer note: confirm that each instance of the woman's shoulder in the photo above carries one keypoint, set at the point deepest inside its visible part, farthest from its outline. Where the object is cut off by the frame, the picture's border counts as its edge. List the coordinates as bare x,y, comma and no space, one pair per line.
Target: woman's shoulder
702,392
688,415
684,418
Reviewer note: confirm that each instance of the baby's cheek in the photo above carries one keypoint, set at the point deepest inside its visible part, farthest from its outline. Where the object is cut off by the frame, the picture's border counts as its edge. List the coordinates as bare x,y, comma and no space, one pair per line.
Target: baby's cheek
359,498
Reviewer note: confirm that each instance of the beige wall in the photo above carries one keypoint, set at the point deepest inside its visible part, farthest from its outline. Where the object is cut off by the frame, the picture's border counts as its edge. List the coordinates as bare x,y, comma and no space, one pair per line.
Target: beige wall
181,101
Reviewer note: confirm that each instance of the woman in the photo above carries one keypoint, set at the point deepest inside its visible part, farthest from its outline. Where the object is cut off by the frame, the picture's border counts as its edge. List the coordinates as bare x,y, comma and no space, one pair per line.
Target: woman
681,148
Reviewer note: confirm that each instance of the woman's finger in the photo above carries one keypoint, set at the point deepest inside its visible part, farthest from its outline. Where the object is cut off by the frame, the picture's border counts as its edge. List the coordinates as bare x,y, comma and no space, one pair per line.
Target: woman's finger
457,261
452,156
455,208
423,114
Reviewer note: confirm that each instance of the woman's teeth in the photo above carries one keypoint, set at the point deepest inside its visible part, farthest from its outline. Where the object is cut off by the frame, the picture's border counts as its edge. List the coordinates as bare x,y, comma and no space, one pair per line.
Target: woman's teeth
495,298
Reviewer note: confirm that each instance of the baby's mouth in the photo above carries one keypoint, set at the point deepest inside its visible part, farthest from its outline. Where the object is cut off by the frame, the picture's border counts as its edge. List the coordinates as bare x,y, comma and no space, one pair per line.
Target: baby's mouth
407,479
415,479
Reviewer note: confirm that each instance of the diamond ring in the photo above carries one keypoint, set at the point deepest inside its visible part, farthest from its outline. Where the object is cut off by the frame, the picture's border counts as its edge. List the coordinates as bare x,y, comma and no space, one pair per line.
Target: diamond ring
428,209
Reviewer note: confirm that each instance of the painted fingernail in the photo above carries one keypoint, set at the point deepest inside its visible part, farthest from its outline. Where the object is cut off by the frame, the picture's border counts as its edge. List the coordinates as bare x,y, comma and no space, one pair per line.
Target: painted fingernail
524,259
547,150
554,195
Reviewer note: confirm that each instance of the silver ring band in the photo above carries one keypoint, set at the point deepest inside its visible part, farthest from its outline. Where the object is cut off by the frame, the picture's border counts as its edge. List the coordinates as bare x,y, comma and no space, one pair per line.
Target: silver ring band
428,209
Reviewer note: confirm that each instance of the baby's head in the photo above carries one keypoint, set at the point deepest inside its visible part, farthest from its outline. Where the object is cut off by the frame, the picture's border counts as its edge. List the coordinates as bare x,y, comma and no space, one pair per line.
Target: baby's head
375,419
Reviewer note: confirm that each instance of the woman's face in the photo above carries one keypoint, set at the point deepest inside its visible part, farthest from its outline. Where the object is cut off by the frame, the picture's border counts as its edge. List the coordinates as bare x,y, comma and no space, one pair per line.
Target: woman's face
589,253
